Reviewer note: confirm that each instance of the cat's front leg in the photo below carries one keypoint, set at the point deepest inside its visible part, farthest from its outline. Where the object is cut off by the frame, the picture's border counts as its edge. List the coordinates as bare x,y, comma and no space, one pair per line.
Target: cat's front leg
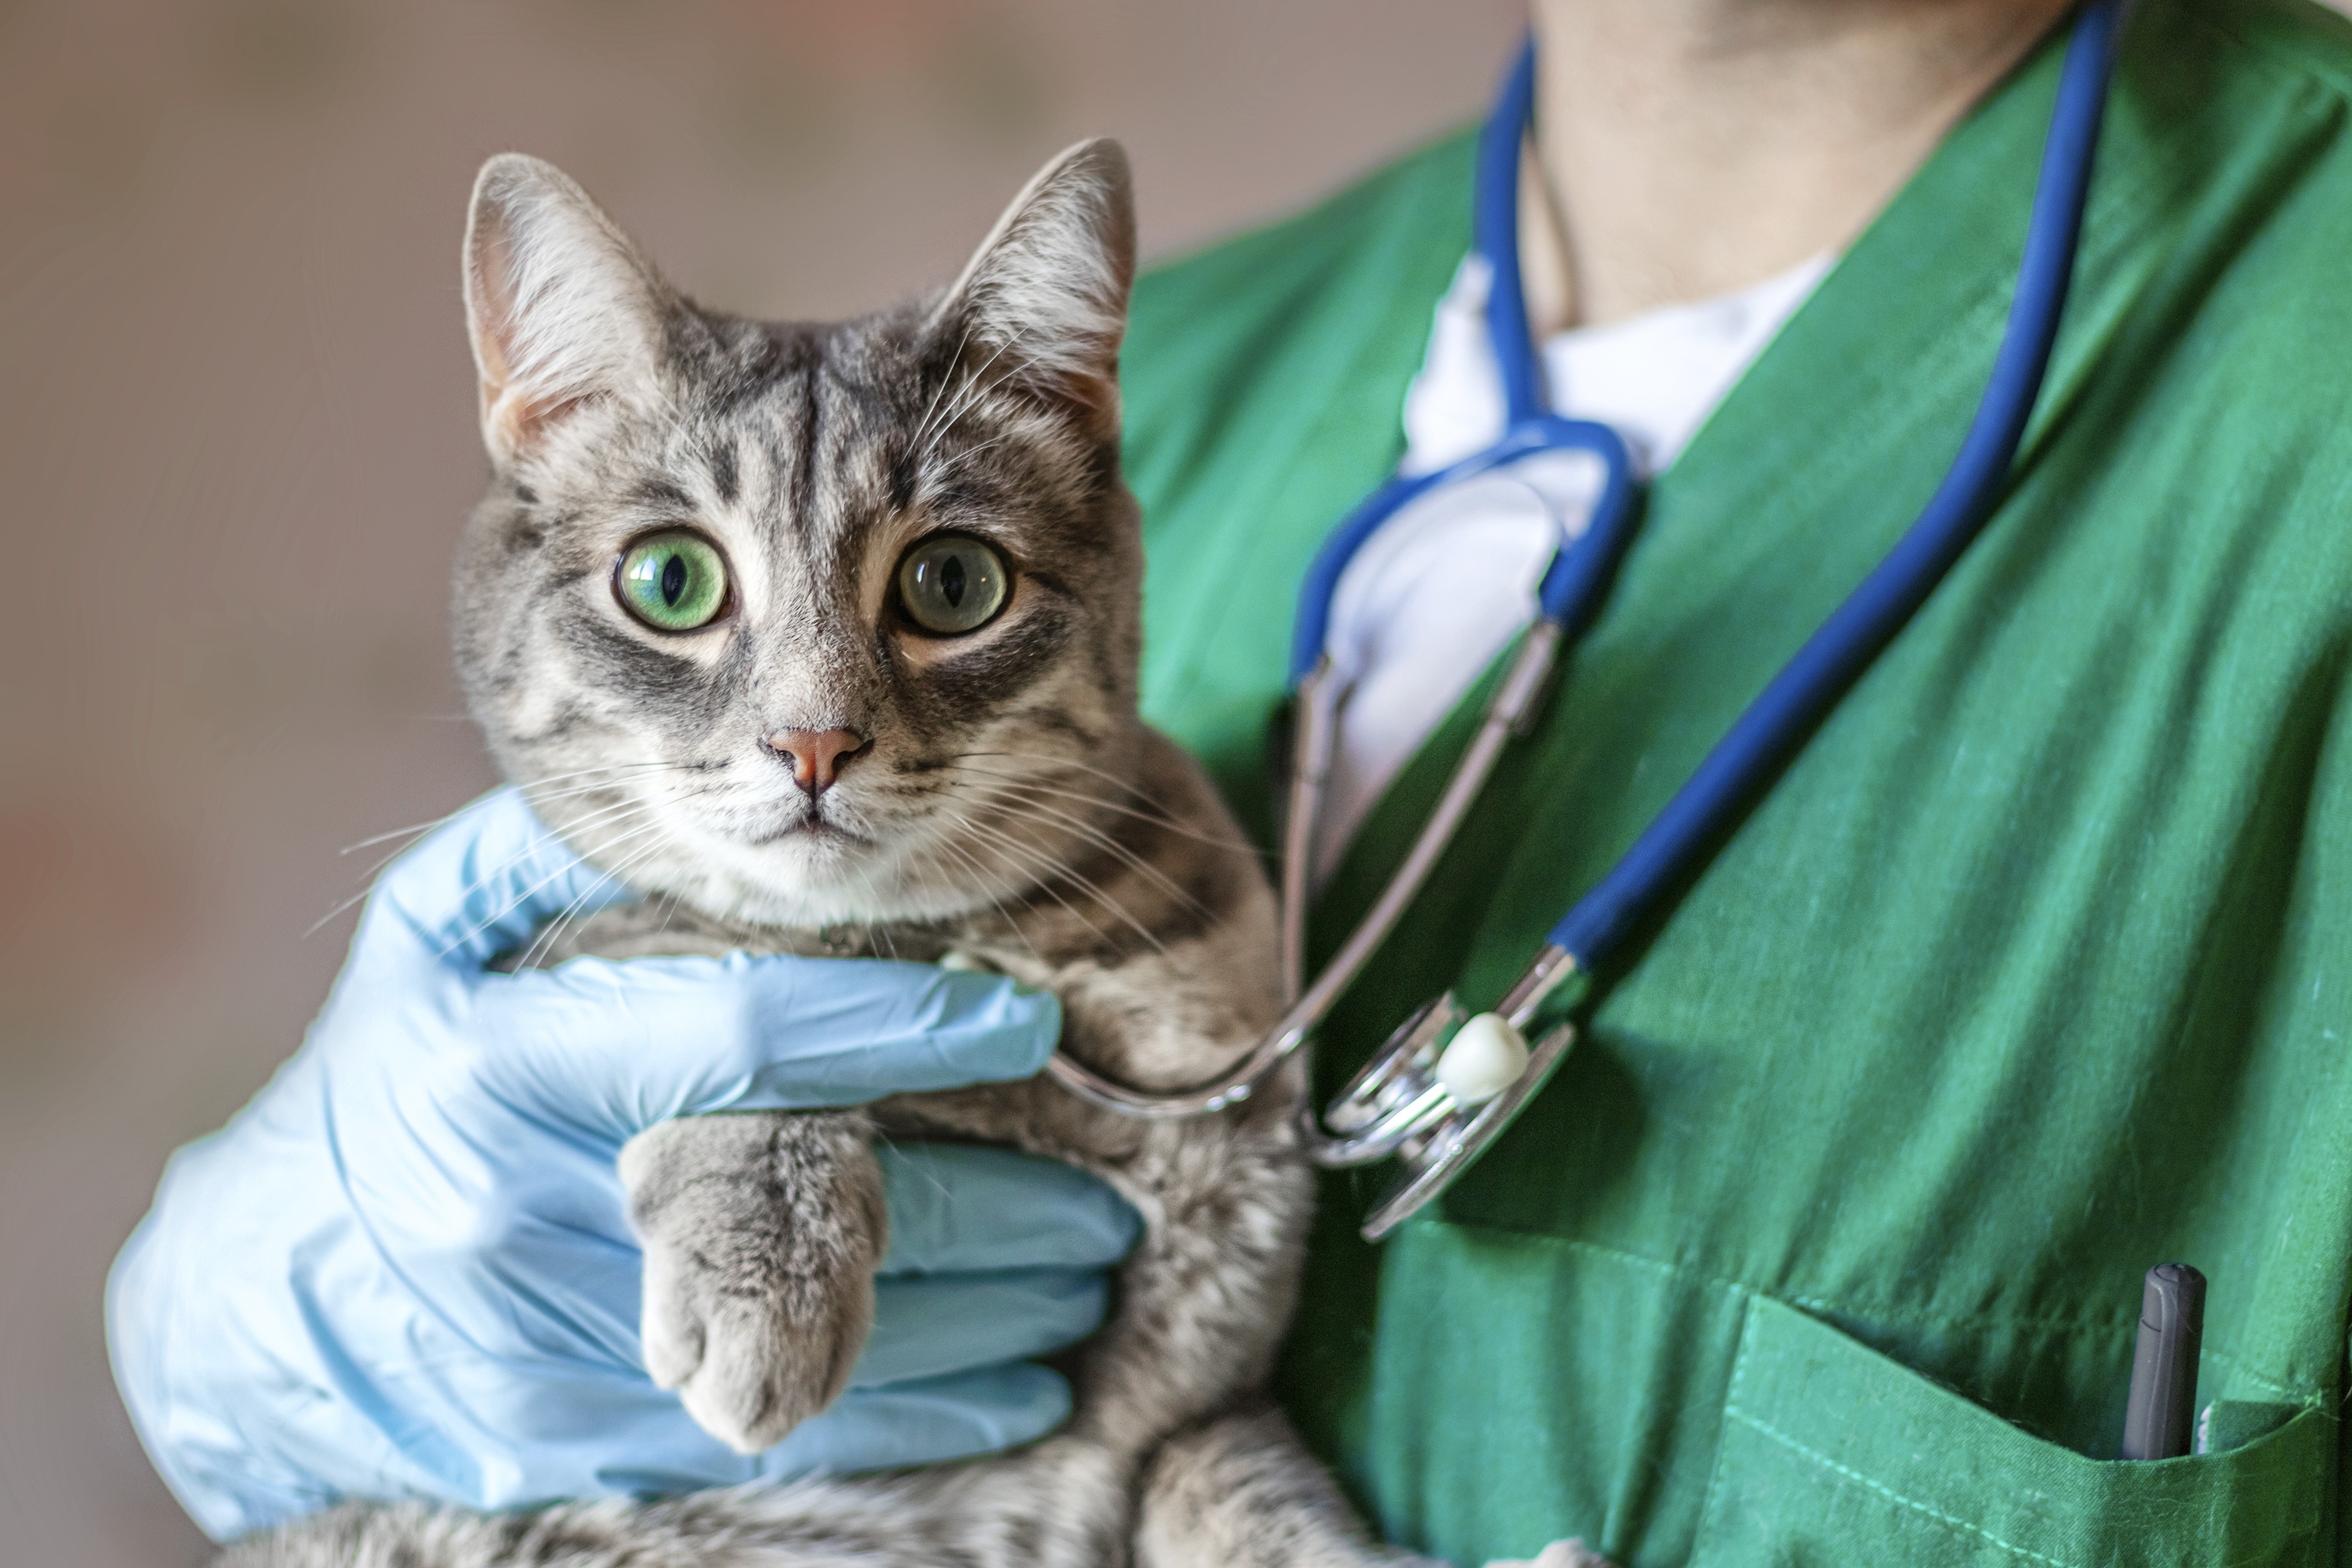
762,1233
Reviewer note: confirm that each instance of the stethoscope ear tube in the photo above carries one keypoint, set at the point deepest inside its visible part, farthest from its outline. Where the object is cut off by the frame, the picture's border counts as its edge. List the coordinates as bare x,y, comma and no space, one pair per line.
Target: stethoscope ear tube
1833,658
1315,718
1495,235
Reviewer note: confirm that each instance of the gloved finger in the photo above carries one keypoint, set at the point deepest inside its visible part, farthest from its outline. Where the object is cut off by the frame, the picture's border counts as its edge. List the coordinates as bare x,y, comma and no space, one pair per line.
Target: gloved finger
611,1047
960,1417
928,1324
957,1206
481,883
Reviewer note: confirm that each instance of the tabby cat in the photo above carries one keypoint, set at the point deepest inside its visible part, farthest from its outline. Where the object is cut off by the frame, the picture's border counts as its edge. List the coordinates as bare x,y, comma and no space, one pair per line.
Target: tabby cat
840,625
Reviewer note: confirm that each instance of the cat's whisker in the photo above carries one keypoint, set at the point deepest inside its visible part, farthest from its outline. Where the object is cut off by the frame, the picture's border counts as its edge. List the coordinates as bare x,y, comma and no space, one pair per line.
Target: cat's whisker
996,900
971,400
606,776
1037,812
590,818
629,835
340,905
377,868
603,816
669,913
925,864
1008,800
1018,866
959,824
970,452
975,382
979,387
526,787
540,802
375,872
517,902
520,899
984,880
1157,818
619,871
539,799
524,897
945,381
975,386
408,836
1060,867
1124,785
552,932
411,832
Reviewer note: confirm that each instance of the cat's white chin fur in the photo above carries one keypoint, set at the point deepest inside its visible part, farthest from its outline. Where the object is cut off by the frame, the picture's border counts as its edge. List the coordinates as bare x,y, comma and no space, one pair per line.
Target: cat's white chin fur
802,881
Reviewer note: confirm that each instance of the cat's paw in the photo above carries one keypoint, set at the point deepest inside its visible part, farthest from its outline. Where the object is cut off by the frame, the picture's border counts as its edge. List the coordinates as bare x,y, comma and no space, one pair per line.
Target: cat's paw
760,1235
1558,1554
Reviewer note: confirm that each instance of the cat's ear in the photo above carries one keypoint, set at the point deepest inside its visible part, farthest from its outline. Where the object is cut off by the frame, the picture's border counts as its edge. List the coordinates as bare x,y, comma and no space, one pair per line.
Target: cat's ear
563,309
1043,303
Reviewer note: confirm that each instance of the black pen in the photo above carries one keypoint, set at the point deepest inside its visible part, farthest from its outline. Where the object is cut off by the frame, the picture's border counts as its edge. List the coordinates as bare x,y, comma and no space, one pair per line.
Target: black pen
2164,1367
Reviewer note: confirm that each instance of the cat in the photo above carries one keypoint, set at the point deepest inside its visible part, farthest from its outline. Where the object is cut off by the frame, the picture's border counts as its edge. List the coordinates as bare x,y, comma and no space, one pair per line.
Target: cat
831,635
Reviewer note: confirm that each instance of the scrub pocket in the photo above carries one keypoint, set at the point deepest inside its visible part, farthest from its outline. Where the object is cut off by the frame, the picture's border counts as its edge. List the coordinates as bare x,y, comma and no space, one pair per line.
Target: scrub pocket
1832,1455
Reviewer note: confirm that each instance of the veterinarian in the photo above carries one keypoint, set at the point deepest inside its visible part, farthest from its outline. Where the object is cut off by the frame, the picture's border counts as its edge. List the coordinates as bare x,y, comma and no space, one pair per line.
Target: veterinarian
1824,1244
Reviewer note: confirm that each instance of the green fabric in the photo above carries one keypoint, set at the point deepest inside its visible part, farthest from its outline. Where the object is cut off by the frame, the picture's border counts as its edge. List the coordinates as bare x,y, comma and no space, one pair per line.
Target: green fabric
1824,1246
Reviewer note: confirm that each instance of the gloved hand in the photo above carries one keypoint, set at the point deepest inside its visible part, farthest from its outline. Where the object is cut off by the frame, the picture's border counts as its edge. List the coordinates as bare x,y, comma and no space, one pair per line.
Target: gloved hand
405,1268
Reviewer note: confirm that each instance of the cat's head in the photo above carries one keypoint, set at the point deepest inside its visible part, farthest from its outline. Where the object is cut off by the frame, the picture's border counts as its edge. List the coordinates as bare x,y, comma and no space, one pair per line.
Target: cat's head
804,623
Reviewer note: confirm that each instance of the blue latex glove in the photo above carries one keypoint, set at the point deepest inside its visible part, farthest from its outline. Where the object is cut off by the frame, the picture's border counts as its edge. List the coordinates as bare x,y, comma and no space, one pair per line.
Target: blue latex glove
405,1268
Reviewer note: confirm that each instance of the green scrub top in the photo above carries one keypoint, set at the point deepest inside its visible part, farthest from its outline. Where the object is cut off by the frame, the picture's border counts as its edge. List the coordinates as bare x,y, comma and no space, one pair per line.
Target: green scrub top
2032,971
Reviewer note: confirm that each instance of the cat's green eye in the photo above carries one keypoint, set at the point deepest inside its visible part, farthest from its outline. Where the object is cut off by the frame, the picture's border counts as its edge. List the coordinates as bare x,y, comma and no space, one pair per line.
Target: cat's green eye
673,581
951,584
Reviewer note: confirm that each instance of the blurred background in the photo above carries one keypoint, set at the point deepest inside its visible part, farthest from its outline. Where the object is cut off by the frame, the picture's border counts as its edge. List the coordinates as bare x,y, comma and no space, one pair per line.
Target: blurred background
237,436
237,439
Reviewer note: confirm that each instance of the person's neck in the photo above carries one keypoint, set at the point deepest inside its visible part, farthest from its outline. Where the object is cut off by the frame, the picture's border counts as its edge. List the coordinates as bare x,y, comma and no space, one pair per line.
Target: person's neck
1688,148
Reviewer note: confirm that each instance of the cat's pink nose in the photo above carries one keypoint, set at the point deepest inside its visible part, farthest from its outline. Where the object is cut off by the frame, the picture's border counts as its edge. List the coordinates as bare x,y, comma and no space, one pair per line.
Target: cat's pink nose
816,754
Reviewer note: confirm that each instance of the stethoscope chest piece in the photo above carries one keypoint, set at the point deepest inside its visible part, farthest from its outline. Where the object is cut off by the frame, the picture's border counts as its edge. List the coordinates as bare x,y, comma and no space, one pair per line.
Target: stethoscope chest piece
1445,1086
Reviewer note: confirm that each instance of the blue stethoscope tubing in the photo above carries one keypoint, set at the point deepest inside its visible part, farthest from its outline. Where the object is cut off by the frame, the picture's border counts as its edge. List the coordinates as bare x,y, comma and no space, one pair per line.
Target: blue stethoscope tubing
1571,584
1404,1102
1830,661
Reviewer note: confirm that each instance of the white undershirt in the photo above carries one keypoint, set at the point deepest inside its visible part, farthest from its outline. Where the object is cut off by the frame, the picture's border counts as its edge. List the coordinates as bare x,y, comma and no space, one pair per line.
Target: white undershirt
1428,601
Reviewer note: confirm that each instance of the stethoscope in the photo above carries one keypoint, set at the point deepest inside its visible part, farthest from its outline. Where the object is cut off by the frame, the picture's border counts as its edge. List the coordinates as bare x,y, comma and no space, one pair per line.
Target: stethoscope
1447,1082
